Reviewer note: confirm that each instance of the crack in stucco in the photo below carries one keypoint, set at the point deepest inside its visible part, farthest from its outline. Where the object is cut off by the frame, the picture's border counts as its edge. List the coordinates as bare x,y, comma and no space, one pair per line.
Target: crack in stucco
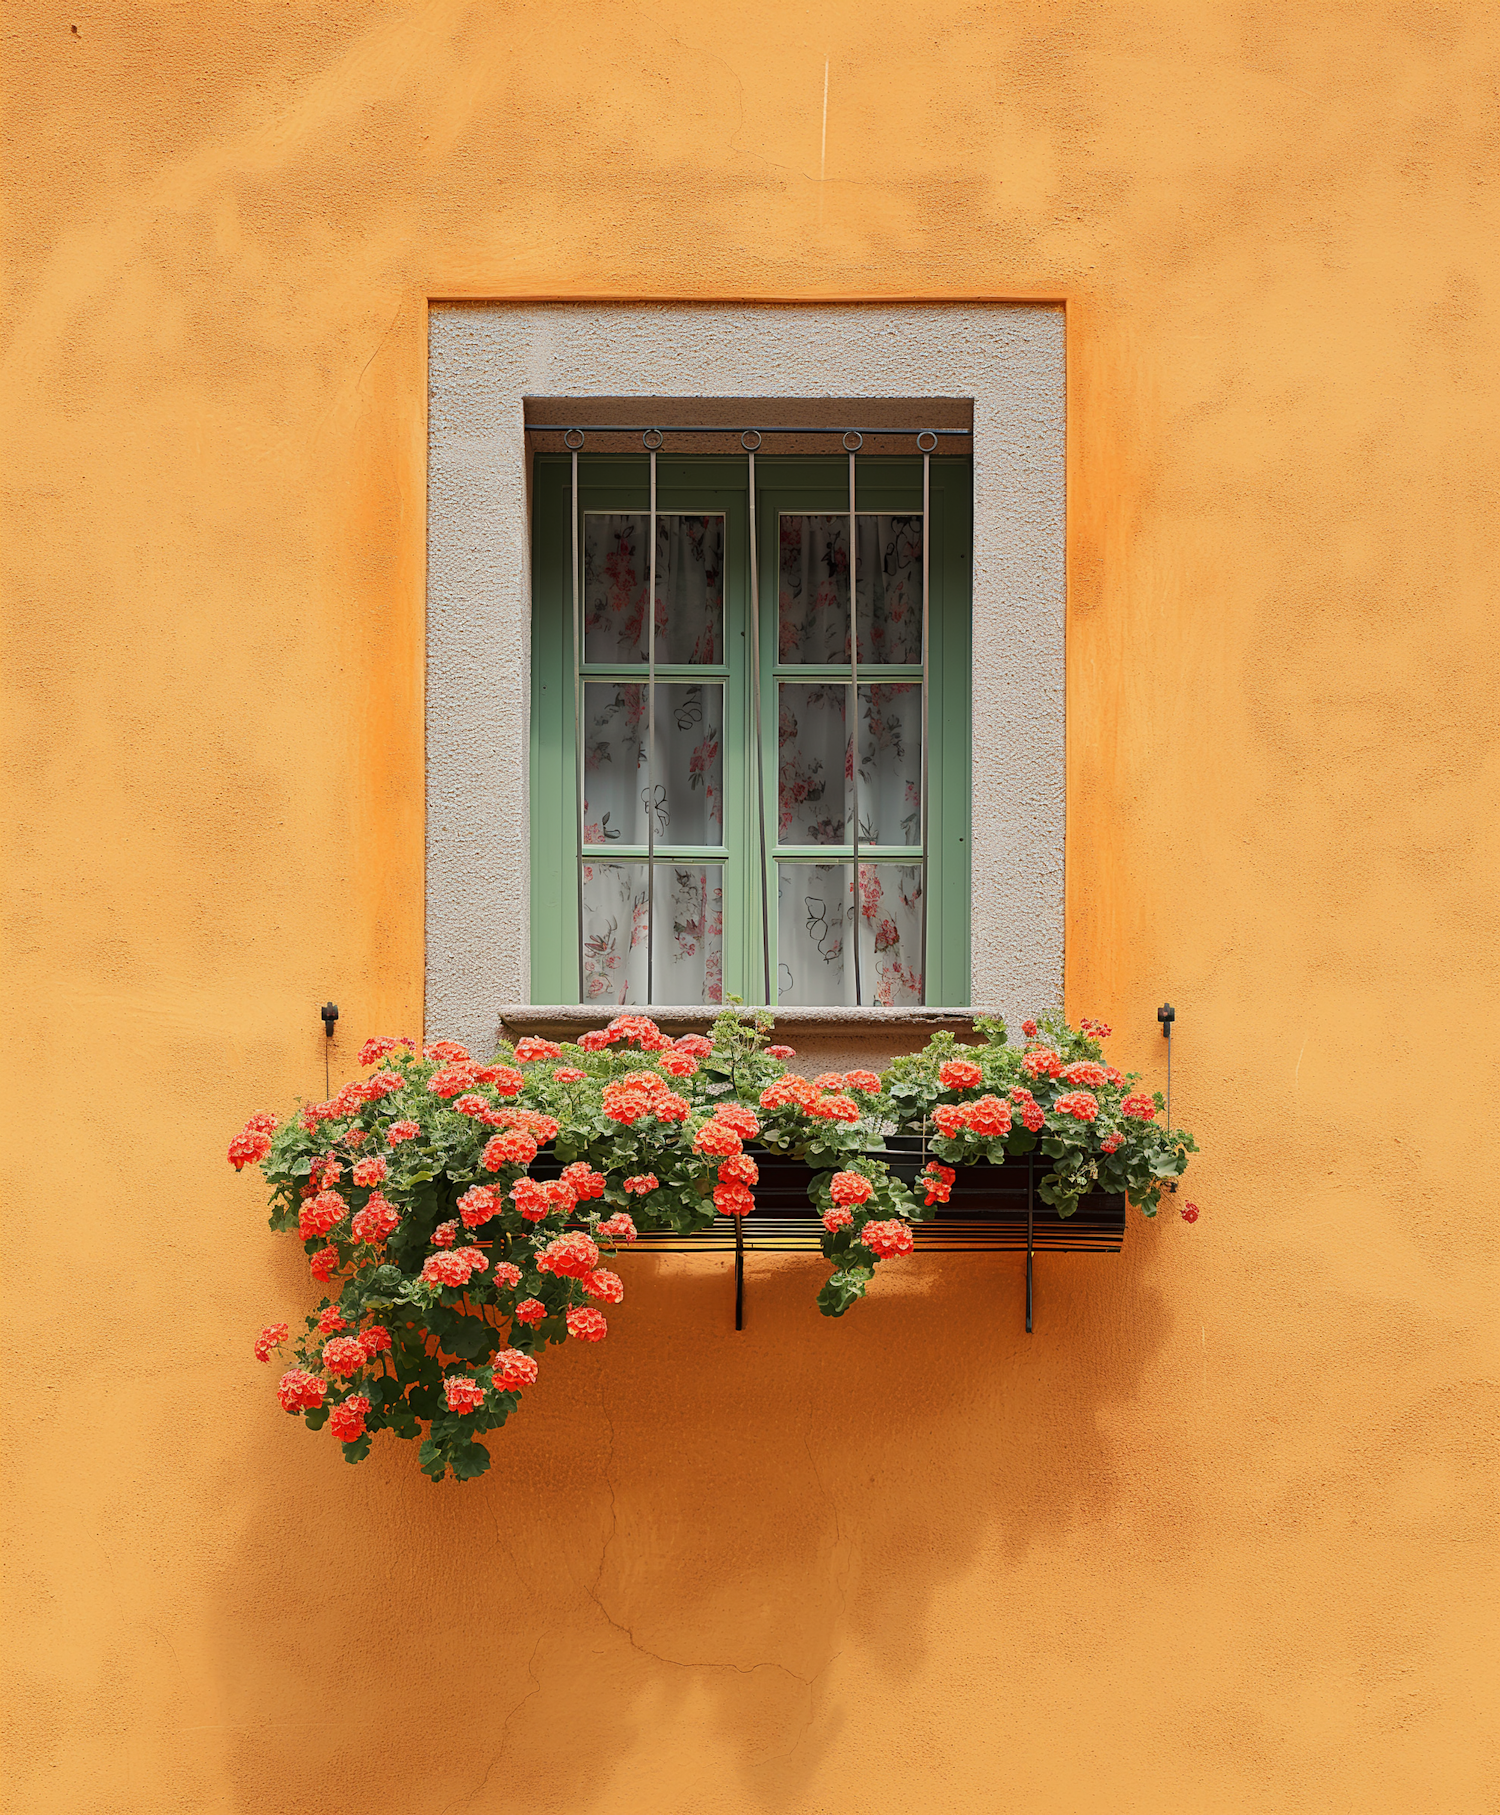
627,1632
534,1690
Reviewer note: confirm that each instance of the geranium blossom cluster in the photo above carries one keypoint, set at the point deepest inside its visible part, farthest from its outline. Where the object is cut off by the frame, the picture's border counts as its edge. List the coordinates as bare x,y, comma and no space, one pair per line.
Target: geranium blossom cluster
1056,1095
460,1215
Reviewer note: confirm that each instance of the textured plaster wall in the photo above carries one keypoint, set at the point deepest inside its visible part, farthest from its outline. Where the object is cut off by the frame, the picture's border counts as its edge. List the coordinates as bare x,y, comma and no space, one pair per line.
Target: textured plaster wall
486,359
1221,1535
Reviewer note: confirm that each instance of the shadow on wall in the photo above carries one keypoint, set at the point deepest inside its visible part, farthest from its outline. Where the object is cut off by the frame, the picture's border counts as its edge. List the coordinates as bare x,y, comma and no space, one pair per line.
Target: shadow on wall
683,1532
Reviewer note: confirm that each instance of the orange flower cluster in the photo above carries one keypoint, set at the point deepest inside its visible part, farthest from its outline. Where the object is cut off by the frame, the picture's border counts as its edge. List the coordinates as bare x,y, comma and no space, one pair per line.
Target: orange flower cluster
851,1188
584,1180
377,1222
988,1117
300,1391
347,1421
716,1139
454,1268
887,1239
939,1182
512,1370
643,1093
464,1395
569,1257
514,1148
343,1356
959,1074
253,1142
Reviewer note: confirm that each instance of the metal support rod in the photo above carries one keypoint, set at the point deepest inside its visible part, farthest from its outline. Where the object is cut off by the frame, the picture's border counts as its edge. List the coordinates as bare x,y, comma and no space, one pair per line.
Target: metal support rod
760,757
1030,1214
330,1013
739,1274
651,743
926,678
574,525
854,713
1166,1014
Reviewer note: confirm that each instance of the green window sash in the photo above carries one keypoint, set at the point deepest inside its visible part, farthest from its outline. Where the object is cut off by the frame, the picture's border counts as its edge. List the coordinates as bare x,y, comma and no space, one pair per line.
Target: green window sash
719,485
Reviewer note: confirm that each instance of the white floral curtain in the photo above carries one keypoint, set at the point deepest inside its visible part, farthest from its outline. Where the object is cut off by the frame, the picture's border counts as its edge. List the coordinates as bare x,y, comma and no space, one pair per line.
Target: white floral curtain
687,943
816,914
689,588
814,590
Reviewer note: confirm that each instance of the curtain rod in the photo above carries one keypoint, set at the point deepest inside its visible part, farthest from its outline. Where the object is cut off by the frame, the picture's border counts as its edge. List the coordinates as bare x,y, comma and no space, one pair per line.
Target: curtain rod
723,428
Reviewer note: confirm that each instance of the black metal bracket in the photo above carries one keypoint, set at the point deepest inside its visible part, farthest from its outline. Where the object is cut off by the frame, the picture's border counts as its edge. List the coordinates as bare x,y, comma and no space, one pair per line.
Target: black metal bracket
330,1013
739,1273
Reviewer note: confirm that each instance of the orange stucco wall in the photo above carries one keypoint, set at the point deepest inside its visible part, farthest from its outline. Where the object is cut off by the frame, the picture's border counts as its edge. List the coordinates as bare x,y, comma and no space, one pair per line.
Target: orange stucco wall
1220,1536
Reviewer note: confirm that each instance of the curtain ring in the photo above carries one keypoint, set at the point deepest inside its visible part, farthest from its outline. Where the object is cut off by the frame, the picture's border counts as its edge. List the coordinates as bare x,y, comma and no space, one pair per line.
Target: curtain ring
646,439
747,444
853,441
929,439
568,441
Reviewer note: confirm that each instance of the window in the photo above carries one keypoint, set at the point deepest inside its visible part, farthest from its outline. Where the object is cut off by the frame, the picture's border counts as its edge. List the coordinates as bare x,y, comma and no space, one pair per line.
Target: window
501,904
753,775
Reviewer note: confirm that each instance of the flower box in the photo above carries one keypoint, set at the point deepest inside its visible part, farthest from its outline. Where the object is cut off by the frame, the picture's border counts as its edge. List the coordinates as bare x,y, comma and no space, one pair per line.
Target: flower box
986,1210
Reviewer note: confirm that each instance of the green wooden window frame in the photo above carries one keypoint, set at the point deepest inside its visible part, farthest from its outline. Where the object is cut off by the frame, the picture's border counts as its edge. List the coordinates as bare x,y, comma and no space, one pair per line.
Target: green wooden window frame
815,485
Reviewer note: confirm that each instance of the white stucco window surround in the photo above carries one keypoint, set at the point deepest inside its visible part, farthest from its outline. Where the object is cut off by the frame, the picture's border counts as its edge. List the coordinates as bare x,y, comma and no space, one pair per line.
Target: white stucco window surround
485,359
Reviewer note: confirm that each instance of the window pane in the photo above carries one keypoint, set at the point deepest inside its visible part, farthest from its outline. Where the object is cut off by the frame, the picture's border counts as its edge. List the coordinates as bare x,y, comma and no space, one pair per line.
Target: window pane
814,905
688,782
888,589
814,764
689,587
689,769
890,764
688,933
614,763
813,608
614,932
890,934
814,590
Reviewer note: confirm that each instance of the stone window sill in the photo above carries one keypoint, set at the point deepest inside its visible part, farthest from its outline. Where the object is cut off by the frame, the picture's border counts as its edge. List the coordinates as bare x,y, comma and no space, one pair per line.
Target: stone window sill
824,1038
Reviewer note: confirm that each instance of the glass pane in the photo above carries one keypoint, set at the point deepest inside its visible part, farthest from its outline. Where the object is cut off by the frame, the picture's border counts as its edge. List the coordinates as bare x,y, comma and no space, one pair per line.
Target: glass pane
614,932
615,570
688,933
814,903
890,764
689,769
690,590
813,623
814,764
689,587
890,934
888,589
614,763
813,608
